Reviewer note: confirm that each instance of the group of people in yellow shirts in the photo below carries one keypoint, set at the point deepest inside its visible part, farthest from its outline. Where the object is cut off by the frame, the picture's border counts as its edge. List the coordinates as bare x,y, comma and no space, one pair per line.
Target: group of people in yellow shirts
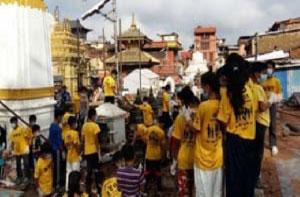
226,131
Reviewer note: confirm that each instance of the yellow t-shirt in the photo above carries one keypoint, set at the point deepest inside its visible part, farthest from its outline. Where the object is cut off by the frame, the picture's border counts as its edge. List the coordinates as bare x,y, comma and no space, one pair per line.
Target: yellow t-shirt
90,131
244,124
72,142
208,149
17,137
76,103
185,157
166,102
109,86
64,125
44,173
141,132
250,84
262,117
272,85
110,188
155,140
147,113
28,135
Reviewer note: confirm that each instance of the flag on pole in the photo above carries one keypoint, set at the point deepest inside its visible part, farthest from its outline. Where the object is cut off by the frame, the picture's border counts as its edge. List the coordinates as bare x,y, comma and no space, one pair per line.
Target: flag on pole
95,9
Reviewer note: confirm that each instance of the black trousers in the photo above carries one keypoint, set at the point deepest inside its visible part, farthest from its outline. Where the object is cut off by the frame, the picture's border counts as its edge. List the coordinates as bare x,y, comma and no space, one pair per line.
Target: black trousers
167,121
153,172
109,99
92,161
272,129
25,169
259,141
240,166
57,173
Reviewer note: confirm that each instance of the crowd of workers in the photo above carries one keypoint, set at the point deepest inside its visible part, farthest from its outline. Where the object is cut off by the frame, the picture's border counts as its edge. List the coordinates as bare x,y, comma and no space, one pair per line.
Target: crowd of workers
214,145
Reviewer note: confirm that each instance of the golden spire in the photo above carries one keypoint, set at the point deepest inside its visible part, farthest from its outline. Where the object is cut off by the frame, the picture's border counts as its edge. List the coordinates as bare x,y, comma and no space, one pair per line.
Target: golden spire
133,24
56,13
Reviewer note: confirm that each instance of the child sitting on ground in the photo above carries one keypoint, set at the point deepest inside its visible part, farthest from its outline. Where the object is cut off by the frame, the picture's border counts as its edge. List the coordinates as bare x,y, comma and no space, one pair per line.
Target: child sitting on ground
43,172
130,180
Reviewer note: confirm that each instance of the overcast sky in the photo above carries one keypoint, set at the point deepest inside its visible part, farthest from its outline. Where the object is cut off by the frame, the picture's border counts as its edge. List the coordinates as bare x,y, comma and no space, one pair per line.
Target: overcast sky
233,18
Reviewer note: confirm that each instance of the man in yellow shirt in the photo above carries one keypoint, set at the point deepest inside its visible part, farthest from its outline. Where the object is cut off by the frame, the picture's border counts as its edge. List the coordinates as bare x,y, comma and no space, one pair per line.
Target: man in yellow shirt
273,90
147,112
109,87
89,137
263,114
72,144
166,108
43,172
154,152
184,140
20,149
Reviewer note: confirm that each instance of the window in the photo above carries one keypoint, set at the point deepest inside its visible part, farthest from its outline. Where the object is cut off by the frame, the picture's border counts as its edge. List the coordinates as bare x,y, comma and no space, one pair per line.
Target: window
204,45
211,56
205,36
205,56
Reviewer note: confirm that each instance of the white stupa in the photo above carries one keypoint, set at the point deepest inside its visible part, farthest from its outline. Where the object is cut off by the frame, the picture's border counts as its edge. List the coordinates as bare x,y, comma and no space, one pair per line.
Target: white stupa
197,65
26,79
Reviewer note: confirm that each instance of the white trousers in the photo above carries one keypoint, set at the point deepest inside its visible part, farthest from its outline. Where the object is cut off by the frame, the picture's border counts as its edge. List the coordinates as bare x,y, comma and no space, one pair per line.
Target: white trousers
74,166
208,183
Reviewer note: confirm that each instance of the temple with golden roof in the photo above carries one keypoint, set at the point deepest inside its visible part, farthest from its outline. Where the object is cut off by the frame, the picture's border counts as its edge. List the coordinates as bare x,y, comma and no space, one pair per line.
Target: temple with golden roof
64,49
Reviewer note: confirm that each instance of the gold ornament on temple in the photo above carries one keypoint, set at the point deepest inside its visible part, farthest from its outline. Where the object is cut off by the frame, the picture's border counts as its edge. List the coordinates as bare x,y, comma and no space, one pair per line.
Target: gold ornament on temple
34,4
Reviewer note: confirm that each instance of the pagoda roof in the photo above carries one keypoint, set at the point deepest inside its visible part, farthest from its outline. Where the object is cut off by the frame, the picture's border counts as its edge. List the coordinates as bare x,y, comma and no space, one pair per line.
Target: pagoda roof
131,56
73,24
133,32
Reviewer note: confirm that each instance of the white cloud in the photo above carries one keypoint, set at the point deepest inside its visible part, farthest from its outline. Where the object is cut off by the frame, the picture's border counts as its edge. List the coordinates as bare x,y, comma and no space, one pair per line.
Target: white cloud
233,18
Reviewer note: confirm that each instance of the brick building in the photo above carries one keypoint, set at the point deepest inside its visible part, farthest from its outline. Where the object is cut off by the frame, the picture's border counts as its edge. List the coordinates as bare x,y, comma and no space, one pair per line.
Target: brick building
283,35
206,42
166,50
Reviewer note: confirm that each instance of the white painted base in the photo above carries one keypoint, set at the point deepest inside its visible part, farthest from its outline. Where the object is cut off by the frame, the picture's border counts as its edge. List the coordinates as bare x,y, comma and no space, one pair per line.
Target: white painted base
42,108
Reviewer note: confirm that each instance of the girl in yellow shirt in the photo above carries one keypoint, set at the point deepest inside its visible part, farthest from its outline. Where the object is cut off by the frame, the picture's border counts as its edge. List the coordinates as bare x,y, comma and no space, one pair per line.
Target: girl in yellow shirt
72,143
184,141
238,114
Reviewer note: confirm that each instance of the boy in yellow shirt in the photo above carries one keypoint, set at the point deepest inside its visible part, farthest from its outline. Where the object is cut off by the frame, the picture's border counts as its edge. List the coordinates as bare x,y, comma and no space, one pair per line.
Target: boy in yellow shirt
166,108
147,112
72,144
273,90
109,87
184,141
43,172
154,152
20,149
29,136
89,138
263,113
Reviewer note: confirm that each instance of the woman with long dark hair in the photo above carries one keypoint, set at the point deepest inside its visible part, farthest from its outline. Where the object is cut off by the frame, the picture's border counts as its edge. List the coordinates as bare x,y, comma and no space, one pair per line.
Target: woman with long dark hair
237,113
